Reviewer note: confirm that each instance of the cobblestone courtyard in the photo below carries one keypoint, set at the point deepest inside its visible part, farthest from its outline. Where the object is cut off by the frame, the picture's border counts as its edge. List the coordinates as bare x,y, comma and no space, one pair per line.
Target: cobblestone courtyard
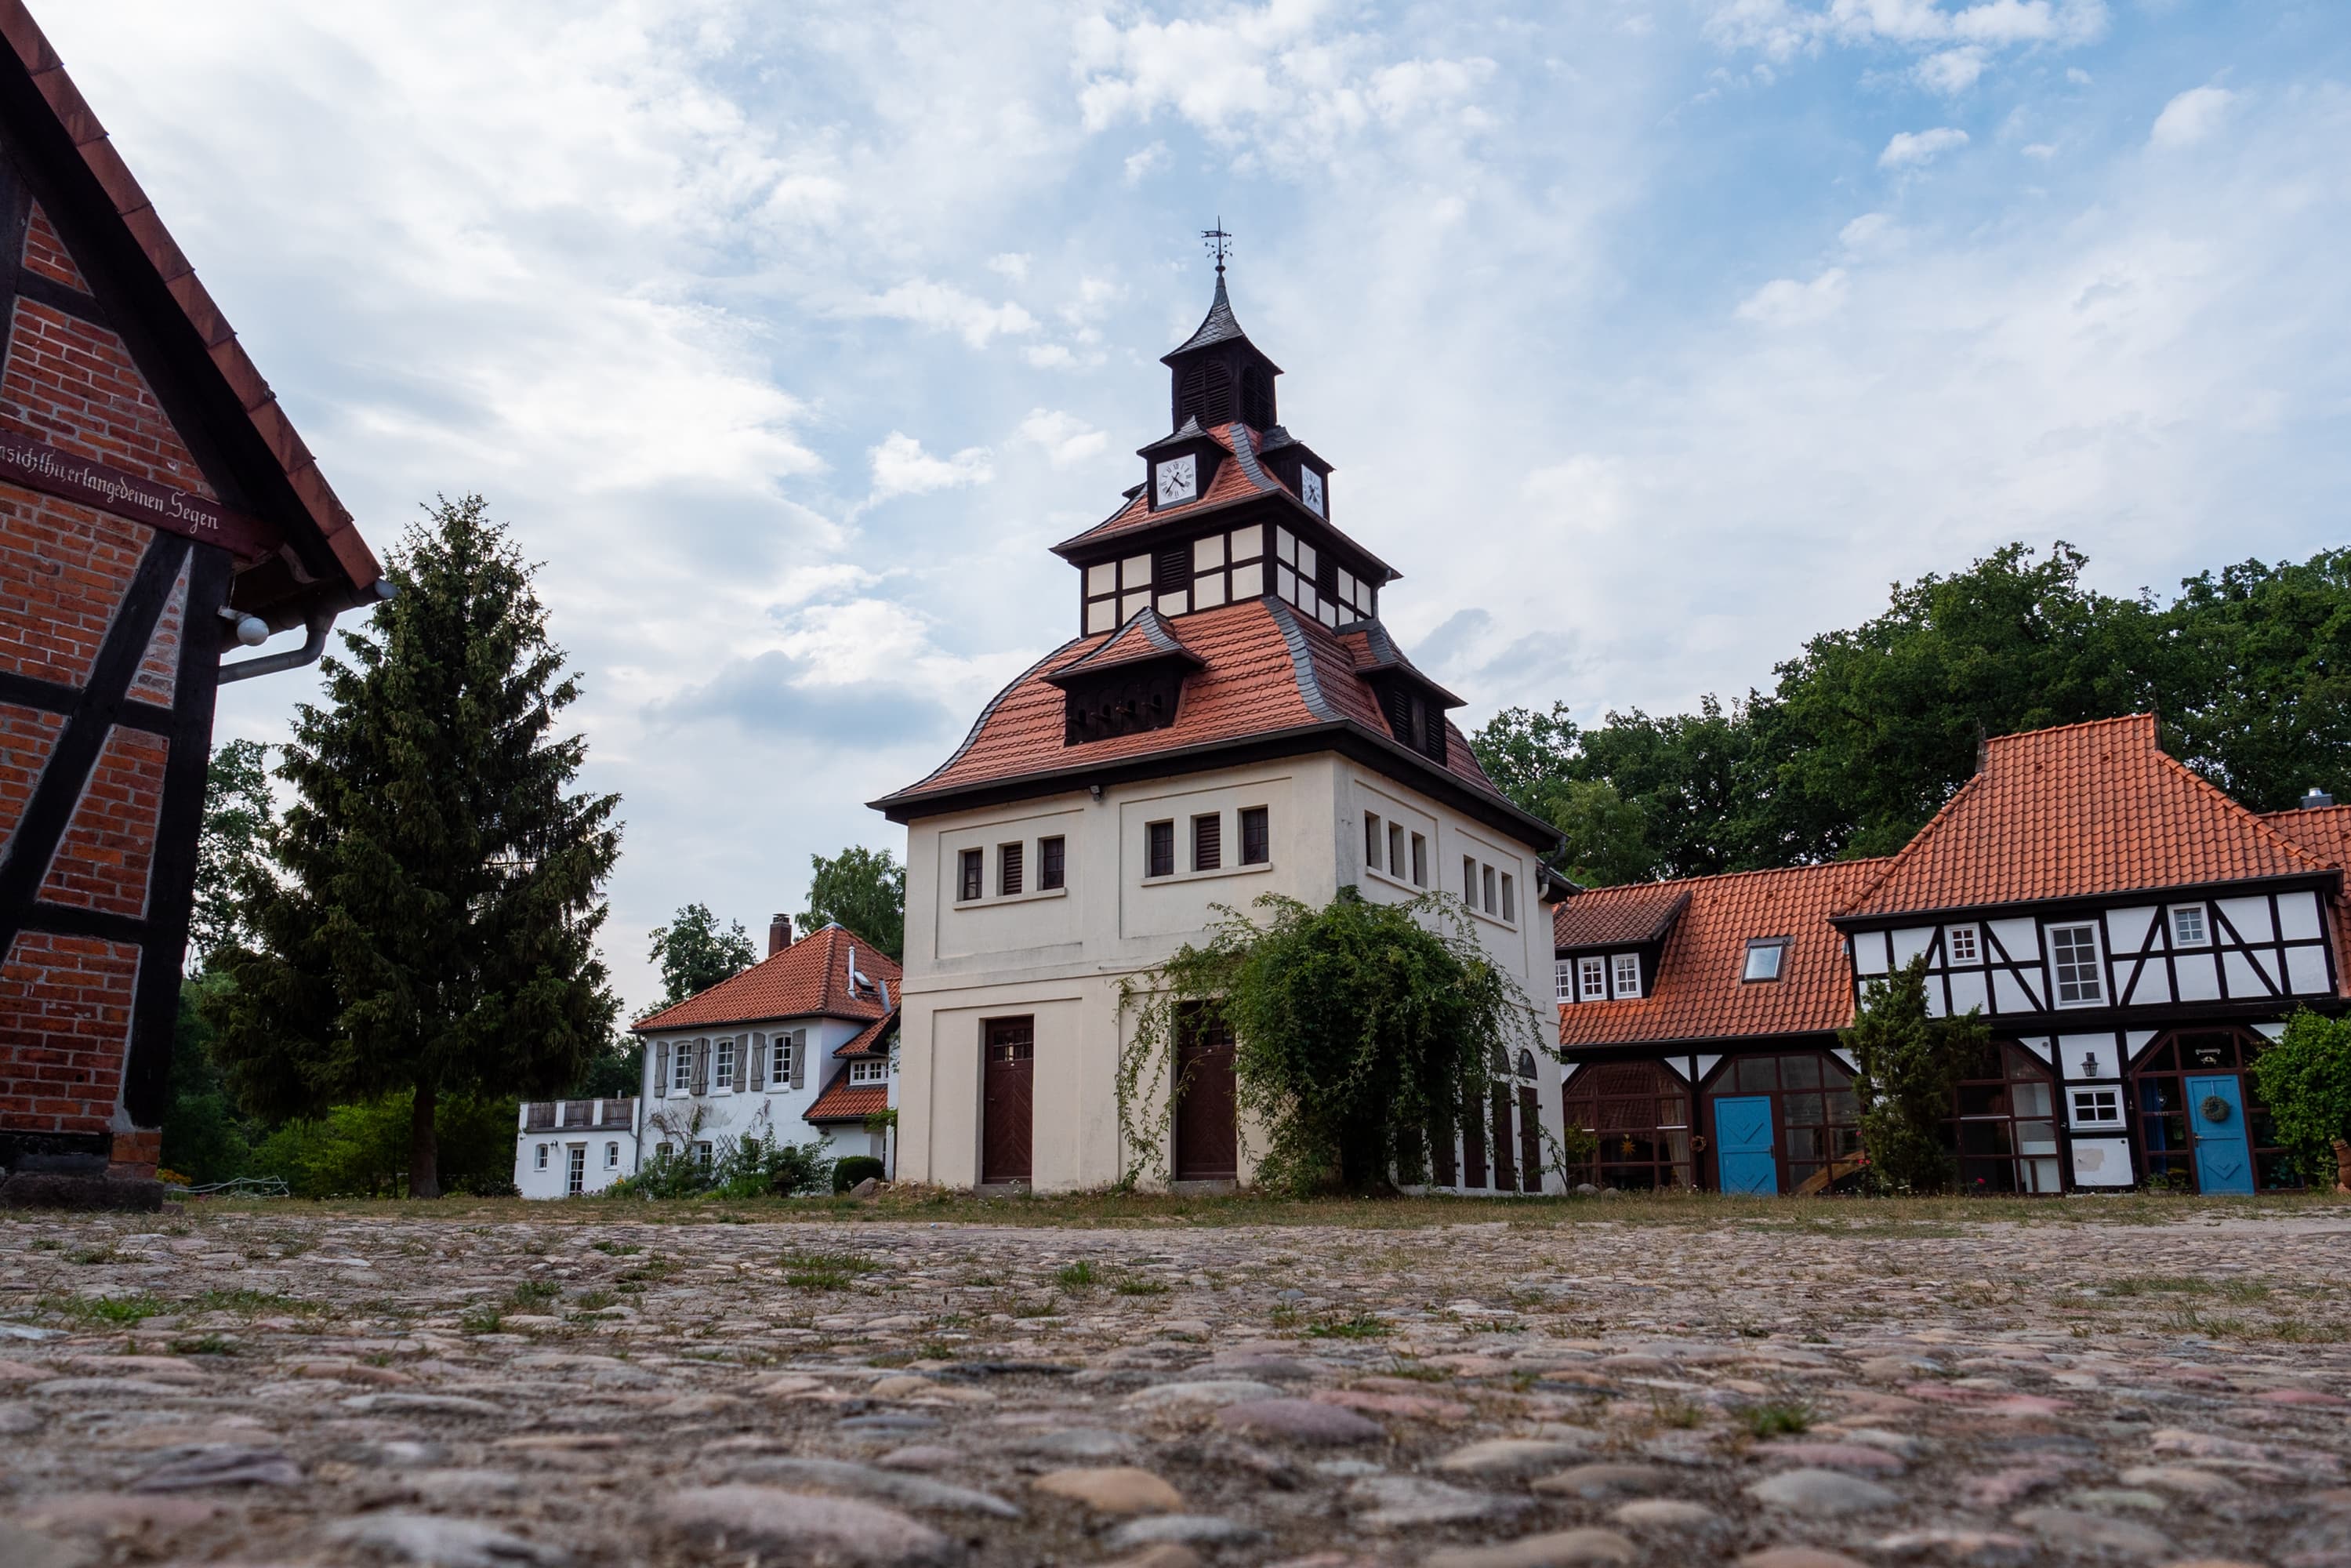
1588,1382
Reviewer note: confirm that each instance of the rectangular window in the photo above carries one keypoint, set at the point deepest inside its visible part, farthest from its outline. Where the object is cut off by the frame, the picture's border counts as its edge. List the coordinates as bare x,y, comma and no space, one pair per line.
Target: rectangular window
1207,841
612,1156
1370,841
1763,957
1050,863
1592,979
1960,944
680,1072
2187,927
1628,974
780,1070
1563,981
869,1071
1510,897
542,1156
575,1178
1396,863
969,886
1492,904
1257,838
1470,881
1008,867
1159,848
2097,1107
702,1155
2074,958
722,1064
1419,860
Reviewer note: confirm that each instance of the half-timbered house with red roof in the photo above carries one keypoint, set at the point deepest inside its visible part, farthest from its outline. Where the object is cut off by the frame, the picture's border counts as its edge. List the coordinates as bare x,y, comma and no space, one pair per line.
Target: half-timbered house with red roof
1230,718
800,1046
156,511
2132,935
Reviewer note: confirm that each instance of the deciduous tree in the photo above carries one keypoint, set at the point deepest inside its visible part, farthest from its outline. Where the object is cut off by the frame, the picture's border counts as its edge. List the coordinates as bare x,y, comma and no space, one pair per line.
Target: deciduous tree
865,891
694,954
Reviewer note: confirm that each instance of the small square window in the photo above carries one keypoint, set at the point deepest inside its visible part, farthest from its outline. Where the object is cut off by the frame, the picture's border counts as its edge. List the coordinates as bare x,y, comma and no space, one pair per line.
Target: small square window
1763,957
967,882
875,1071
1010,867
1050,864
2188,926
2097,1107
1591,979
1628,974
1159,848
1256,838
1207,841
1960,944
1419,860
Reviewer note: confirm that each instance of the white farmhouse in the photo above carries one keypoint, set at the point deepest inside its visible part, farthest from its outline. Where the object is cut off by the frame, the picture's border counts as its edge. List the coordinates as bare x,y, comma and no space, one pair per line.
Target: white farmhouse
1232,718
800,1045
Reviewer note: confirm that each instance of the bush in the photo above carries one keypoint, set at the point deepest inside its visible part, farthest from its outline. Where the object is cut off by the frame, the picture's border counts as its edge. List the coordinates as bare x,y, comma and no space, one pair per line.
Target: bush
1907,1069
848,1172
2304,1079
739,1167
361,1150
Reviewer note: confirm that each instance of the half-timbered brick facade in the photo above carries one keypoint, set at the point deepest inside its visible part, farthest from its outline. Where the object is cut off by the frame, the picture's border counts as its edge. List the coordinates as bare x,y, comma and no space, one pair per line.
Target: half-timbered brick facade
156,509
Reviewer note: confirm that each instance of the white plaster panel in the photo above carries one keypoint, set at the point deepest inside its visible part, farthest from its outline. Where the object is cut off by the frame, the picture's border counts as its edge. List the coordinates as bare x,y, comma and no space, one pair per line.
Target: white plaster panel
2297,914
2102,1162
2154,983
2250,916
2007,995
2075,1116
2126,928
1706,1064
1968,990
1844,1056
2274,1031
2022,939
2138,1039
2087,1055
2305,969
2038,1044
2199,976
1869,952
2244,981
1935,1008
1909,944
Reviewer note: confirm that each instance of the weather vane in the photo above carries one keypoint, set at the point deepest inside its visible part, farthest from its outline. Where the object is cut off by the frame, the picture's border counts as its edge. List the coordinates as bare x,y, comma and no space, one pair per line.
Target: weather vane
1218,242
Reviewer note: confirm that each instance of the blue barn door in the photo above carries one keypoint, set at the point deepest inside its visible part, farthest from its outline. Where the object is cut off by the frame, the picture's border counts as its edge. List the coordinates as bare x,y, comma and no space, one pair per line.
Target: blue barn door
1742,1145
2216,1116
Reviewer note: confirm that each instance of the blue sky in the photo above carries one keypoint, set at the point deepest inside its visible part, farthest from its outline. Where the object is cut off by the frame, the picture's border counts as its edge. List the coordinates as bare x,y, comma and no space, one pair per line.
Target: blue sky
1646,338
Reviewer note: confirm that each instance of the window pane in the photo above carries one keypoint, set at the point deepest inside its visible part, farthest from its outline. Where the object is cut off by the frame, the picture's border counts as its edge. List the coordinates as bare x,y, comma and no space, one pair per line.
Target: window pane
1396,863
1804,1110
1050,863
1372,839
1257,847
1758,1073
1160,852
1799,1071
1419,860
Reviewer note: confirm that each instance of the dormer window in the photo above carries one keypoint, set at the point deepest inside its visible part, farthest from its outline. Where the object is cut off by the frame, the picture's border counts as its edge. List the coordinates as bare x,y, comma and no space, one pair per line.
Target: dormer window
1591,983
1628,975
1765,959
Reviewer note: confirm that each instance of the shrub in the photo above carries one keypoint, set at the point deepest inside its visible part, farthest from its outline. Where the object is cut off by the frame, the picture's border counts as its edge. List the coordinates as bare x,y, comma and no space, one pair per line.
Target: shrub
855,1168
1907,1069
738,1168
2304,1079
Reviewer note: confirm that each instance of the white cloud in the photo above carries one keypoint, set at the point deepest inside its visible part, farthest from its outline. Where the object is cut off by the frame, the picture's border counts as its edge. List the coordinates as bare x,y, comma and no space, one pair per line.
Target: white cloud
1064,437
1049,356
1870,231
1951,71
1911,149
950,309
1141,165
1011,264
900,467
2044,150
2190,118
1784,302
2077,76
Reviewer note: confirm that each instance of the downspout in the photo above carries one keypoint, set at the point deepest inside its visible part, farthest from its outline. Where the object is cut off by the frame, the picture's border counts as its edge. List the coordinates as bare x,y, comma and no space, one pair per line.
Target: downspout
321,620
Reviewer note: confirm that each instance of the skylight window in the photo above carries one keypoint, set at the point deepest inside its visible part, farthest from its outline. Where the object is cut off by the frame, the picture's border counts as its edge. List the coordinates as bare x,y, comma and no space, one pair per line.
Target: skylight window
1764,955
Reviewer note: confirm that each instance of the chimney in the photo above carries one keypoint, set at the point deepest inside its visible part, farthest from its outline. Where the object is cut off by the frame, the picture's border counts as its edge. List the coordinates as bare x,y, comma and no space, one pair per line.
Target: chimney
779,933
2316,798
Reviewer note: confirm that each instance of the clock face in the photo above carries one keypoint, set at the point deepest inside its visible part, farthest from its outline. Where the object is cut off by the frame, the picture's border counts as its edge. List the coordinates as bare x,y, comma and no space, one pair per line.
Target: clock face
1310,490
1179,478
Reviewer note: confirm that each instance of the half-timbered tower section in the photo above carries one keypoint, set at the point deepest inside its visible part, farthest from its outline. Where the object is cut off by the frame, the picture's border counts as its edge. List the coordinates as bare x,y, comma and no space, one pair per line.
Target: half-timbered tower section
2133,936
156,509
1230,718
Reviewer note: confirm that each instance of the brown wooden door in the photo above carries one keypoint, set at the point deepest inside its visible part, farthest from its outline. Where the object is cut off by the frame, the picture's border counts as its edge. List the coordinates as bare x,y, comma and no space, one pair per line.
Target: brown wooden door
1207,1136
1007,1099
1473,1142
1530,1173
1506,1164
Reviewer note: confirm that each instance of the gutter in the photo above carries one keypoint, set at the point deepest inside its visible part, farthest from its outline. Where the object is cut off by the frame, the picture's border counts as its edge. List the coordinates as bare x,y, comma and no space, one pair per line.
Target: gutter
321,620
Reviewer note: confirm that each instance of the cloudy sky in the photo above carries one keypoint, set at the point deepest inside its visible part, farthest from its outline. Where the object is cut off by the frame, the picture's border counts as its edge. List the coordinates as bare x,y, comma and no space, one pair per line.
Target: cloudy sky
1647,335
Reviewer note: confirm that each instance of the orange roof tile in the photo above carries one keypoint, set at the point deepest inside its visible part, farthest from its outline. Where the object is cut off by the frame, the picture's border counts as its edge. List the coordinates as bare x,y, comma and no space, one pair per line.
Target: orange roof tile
876,1033
845,1102
807,980
1617,917
2075,812
1699,994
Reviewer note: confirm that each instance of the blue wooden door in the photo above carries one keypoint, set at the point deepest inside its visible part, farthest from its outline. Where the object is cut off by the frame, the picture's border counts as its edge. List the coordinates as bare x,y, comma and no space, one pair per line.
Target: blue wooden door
1742,1145
2216,1118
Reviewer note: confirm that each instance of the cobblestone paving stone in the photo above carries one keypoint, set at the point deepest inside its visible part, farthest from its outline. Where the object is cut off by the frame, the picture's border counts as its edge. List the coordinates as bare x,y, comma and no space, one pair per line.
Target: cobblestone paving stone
578,1386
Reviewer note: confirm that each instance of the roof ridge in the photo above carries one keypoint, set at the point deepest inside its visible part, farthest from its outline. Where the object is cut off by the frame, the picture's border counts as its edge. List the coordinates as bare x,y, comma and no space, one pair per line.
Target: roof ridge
971,736
2149,715
1916,842
1301,658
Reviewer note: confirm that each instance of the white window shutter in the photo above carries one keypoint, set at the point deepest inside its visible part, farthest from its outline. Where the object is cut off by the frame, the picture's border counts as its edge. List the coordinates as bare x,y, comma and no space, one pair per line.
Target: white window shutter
799,1058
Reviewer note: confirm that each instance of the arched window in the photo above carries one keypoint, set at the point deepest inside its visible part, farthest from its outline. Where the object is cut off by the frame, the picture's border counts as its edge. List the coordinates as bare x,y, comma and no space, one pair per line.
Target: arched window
1526,1063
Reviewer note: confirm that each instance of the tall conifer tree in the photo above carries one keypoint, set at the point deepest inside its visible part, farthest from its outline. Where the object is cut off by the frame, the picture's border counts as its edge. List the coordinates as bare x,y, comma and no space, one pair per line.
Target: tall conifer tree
432,922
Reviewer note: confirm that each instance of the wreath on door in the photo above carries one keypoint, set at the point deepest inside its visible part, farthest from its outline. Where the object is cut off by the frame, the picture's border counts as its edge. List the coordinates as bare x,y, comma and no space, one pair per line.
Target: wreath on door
2216,1109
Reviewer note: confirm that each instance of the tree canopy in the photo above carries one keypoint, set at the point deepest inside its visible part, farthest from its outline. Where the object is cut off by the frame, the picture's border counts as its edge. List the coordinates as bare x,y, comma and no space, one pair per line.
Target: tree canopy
429,921
865,891
1866,732
694,954
232,848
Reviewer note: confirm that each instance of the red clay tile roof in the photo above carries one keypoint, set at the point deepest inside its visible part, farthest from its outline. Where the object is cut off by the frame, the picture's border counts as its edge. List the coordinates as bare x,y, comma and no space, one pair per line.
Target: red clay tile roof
238,378
1617,917
1146,636
807,980
1266,669
2324,833
2083,810
874,1034
1699,994
845,1102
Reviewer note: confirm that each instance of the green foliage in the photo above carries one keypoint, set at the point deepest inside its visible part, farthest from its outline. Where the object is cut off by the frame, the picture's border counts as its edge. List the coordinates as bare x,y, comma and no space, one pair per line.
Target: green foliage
360,1149
851,1169
695,955
809,1270
864,890
1776,1419
1078,1276
205,1137
1907,1068
744,1167
614,1071
1356,1027
2304,1079
431,919
2265,652
232,848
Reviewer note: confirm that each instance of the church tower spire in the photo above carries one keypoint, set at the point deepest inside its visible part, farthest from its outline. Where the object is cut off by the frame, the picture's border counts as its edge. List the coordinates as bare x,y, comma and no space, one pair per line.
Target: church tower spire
1216,375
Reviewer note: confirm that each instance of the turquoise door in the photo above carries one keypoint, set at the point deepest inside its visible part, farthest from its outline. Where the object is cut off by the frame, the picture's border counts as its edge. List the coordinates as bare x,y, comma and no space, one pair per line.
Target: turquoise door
1742,1145
2216,1117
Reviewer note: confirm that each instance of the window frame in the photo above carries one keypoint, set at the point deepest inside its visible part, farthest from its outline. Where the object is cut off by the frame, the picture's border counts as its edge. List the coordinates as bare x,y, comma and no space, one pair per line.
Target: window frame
542,1157
613,1155
865,1070
1208,846
1373,839
1159,848
1011,868
722,1060
1592,979
1757,946
2052,932
2203,916
1617,986
1509,899
1053,862
1256,825
1953,936
780,1047
681,1067
1420,860
2080,1120
1563,981
971,875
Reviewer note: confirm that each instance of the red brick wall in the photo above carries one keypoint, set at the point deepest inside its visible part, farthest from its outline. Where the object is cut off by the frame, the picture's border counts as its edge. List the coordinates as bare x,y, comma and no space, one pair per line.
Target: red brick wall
45,253
72,384
65,1012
